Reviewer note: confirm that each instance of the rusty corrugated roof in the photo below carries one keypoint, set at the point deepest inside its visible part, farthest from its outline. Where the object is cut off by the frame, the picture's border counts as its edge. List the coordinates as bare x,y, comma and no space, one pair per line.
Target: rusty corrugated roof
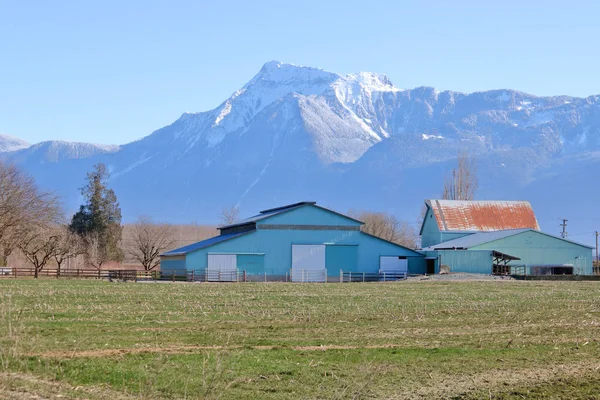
463,215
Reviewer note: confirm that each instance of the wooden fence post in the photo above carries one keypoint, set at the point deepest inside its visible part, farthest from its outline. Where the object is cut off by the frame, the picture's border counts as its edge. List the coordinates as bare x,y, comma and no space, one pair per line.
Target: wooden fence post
173,276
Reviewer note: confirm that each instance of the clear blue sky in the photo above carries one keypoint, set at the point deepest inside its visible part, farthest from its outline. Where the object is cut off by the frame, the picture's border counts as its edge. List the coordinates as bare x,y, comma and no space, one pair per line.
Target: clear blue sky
114,71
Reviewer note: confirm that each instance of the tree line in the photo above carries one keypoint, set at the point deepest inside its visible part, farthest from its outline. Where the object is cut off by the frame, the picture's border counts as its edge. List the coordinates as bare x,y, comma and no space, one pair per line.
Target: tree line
33,222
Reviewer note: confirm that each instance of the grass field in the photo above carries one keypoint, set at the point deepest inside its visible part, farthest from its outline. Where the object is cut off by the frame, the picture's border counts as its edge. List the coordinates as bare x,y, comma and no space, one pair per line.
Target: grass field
457,340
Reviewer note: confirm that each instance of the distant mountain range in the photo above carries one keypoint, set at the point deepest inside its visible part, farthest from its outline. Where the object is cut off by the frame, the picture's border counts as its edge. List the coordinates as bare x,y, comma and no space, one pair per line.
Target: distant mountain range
355,141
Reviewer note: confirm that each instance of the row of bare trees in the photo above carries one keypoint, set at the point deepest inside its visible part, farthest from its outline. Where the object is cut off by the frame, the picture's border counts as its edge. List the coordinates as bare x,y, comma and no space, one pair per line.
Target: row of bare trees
31,221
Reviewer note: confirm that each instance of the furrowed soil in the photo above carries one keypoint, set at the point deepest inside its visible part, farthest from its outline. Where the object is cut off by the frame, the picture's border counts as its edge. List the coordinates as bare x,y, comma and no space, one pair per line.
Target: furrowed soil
503,339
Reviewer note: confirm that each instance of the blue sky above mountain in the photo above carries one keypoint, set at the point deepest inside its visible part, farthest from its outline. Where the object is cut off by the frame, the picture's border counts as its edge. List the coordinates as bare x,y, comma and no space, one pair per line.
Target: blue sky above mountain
113,72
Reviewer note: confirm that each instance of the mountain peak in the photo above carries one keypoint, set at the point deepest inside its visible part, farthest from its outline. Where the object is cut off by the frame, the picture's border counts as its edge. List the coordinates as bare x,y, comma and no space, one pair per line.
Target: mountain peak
276,72
11,143
373,80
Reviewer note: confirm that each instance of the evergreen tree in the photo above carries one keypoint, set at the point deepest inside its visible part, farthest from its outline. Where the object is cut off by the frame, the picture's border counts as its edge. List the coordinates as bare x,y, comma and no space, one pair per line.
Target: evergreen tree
98,221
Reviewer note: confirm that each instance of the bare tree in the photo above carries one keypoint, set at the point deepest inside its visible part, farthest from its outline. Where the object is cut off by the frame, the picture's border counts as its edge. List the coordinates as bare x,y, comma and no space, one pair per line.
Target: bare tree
69,246
22,206
94,255
39,246
388,227
230,215
462,183
148,240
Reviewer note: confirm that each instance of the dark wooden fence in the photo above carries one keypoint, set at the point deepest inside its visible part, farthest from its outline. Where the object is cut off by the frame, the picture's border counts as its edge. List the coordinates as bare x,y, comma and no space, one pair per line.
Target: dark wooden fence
7,273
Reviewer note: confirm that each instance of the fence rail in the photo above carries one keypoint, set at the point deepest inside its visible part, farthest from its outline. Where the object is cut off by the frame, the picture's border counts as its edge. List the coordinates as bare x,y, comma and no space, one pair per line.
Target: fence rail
77,273
199,275
371,277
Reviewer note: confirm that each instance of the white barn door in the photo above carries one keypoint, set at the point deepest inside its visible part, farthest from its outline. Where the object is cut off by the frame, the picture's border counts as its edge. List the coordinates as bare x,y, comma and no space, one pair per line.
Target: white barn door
221,268
308,263
393,266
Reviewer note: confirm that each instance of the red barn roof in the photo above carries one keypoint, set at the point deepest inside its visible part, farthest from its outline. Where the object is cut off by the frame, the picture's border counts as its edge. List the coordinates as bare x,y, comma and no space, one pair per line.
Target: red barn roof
463,215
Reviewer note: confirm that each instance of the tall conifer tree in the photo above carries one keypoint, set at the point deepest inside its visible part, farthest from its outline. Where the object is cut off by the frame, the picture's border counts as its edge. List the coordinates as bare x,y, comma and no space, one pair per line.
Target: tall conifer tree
98,221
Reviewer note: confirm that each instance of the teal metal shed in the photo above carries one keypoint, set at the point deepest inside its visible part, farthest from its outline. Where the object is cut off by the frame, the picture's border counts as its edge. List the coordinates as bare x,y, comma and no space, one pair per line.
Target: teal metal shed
301,242
530,251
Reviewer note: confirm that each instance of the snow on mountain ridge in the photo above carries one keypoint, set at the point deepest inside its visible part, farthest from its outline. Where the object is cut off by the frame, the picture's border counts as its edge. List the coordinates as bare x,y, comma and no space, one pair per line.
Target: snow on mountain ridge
57,150
11,143
274,81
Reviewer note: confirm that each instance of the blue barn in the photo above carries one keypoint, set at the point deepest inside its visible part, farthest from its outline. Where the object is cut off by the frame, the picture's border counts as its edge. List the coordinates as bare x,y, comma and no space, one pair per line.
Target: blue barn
496,237
301,242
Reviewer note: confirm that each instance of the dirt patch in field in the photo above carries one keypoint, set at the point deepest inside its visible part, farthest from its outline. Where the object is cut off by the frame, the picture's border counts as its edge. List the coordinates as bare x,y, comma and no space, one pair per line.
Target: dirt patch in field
18,386
450,386
191,349
460,276
62,354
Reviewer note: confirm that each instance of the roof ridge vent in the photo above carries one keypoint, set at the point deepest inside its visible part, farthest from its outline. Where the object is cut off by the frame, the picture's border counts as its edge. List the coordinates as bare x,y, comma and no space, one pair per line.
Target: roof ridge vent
302,203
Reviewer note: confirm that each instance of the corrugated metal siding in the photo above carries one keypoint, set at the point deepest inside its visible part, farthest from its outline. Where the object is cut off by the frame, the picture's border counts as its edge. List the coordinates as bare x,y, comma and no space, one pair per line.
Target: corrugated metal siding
277,247
474,239
168,265
341,258
431,234
536,248
471,261
458,215
430,231
252,264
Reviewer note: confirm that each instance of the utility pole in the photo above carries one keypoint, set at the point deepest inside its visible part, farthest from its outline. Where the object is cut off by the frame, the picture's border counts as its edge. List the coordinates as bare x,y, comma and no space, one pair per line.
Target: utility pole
564,233
597,255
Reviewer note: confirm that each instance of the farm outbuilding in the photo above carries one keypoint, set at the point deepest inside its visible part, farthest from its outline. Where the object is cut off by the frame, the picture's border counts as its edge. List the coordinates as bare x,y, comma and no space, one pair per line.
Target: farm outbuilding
500,237
297,242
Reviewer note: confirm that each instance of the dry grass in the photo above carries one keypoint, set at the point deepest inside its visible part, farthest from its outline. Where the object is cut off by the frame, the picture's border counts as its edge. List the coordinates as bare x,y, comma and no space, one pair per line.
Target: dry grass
395,340
184,235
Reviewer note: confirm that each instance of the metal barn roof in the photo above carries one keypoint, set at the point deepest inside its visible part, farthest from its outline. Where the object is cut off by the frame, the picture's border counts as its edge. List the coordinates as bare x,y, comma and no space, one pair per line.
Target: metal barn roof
205,243
268,213
280,210
486,216
475,239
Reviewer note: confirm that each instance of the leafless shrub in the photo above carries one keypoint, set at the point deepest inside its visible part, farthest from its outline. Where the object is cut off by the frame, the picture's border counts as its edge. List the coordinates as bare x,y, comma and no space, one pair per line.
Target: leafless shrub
230,215
22,207
462,183
69,246
94,255
39,245
388,227
147,241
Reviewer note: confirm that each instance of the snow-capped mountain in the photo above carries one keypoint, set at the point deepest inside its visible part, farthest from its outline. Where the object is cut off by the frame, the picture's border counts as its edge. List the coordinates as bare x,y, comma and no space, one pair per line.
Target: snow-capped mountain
57,150
10,143
348,141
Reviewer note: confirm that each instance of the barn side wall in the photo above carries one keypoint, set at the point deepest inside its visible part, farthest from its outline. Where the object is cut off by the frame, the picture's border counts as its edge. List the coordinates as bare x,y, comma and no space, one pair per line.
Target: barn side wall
276,245
470,261
431,234
538,249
